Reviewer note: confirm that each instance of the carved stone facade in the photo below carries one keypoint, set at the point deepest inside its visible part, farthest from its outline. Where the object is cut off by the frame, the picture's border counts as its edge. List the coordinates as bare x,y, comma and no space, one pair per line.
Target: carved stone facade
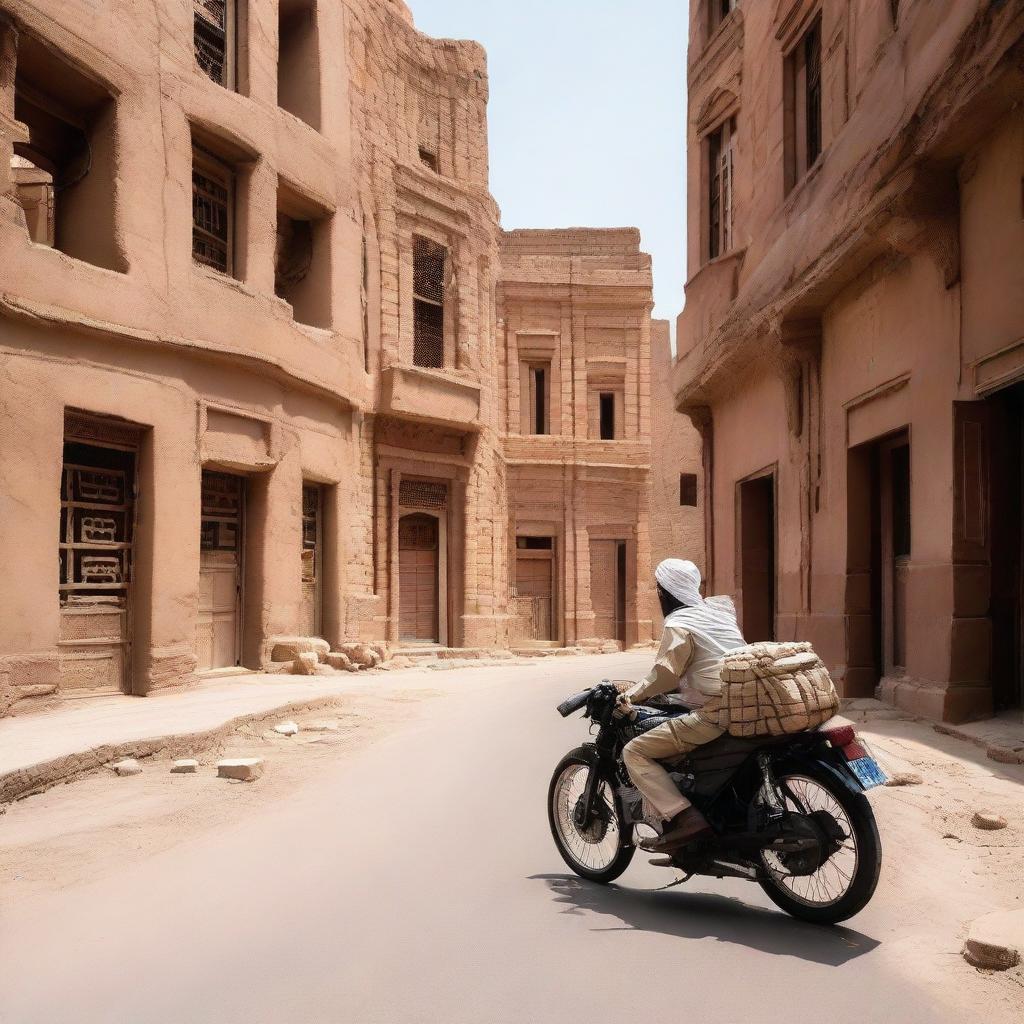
575,308
249,380
853,356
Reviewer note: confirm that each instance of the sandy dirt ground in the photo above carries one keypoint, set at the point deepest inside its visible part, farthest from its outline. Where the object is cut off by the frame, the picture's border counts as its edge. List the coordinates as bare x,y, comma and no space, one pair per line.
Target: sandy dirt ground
399,868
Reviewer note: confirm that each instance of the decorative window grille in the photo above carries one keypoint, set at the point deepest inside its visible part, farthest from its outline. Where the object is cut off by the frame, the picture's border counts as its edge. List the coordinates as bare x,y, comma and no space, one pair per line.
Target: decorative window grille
96,511
212,212
211,20
422,494
221,512
430,261
688,490
721,145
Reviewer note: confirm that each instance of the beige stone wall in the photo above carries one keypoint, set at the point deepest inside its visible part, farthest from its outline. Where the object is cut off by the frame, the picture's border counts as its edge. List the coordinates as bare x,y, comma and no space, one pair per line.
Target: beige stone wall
873,300
577,303
677,531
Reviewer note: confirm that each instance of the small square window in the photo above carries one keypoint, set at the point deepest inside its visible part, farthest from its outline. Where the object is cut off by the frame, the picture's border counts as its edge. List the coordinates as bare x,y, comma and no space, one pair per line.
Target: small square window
688,490
428,158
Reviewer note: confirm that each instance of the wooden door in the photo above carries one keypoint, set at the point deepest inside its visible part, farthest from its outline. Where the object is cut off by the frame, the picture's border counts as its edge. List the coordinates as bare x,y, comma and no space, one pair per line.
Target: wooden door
218,630
418,565
311,559
535,591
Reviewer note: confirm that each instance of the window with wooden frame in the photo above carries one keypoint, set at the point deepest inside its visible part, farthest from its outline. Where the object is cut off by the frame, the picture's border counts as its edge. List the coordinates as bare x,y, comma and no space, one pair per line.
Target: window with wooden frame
688,490
803,113
718,11
720,162
214,33
429,274
213,211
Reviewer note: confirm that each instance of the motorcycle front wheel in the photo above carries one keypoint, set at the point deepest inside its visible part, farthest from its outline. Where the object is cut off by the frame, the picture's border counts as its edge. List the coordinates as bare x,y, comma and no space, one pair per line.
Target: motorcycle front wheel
844,883
601,851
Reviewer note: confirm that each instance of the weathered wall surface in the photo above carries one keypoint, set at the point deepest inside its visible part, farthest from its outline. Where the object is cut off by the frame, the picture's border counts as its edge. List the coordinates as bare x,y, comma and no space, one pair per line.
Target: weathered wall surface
677,530
855,353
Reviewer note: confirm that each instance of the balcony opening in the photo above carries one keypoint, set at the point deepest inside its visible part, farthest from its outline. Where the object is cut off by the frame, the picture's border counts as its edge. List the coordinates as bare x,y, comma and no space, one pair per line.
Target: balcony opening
298,60
64,175
718,11
216,32
607,415
720,147
302,257
430,261
802,105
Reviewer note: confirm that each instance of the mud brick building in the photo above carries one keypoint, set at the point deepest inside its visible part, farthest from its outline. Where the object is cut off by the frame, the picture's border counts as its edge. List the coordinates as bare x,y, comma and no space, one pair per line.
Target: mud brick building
851,346
575,308
250,378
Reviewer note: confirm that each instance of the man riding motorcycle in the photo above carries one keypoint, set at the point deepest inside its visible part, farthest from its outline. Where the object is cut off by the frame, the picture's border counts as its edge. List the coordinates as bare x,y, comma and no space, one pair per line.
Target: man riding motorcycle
698,634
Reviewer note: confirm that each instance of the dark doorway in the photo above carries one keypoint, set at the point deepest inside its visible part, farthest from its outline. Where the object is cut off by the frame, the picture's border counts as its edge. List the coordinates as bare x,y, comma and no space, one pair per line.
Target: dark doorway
757,557
608,588
1006,608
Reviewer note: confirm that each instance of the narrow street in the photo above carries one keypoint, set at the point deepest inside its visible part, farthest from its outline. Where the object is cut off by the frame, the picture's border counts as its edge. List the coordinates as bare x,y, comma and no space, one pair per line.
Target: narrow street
403,871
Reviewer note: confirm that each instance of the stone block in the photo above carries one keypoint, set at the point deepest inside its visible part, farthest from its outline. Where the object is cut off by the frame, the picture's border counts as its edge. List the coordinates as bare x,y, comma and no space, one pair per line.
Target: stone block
127,766
243,769
988,820
341,662
995,942
287,728
305,664
289,648
361,654
186,766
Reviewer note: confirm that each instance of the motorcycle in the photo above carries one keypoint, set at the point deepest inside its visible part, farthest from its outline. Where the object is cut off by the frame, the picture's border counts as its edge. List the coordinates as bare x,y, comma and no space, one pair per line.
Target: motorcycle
788,812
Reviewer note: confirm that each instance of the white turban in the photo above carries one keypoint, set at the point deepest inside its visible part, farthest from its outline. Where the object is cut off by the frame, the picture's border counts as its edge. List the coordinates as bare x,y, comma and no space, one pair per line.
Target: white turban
681,579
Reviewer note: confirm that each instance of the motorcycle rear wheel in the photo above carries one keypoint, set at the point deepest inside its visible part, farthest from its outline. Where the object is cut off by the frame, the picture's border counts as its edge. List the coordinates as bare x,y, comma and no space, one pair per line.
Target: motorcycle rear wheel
604,850
817,905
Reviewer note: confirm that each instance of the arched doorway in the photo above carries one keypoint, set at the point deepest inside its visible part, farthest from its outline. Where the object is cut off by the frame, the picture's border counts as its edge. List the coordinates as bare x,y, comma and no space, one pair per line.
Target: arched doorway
418,572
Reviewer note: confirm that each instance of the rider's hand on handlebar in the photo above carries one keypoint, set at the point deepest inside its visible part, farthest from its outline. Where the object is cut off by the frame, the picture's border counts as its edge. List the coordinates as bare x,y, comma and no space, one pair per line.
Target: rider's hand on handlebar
624,707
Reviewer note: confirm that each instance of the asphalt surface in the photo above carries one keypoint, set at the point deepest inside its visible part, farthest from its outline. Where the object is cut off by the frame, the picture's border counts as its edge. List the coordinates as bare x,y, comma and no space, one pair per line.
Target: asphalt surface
417,881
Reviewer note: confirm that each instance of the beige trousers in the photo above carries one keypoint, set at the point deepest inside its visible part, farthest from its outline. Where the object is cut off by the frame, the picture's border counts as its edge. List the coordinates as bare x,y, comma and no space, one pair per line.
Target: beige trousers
672,739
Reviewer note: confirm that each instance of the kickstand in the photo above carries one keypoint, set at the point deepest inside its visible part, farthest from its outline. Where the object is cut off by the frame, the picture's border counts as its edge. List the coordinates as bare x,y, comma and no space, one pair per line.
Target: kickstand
671,885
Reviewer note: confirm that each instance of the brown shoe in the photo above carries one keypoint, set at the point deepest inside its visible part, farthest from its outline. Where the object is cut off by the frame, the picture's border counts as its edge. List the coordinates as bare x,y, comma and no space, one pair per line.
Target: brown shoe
686,826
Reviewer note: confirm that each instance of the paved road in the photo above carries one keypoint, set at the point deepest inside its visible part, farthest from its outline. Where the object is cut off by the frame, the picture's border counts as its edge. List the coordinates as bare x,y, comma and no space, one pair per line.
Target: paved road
417,881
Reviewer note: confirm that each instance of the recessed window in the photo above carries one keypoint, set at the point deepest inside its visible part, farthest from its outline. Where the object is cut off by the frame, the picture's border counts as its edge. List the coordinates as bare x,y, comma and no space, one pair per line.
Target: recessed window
302,263
64,174
803,104
720,149
607,414
214,35
534,543
538,397
688,490
430,261
213,211
298,60
428,158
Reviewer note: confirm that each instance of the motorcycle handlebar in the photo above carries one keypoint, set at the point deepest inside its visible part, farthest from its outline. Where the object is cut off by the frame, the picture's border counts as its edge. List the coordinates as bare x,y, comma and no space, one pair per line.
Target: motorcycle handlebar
567,707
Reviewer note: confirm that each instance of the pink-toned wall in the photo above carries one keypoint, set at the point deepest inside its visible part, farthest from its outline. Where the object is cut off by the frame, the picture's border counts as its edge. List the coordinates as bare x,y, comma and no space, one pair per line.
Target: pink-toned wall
879,297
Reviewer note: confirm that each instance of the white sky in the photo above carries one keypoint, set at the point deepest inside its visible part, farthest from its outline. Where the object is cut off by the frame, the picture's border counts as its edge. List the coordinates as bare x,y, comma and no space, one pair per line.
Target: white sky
587,116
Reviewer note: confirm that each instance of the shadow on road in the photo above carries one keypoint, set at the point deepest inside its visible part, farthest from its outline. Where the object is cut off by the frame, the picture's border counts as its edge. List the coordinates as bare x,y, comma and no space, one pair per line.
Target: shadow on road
695,915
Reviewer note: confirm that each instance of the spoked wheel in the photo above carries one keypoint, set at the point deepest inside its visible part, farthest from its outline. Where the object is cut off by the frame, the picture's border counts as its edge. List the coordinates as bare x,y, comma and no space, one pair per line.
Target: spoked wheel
599,851
837,878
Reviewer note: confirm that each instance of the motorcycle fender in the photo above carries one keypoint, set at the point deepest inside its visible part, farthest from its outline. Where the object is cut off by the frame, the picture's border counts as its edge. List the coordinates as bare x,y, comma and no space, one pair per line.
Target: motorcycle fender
842,775
589,752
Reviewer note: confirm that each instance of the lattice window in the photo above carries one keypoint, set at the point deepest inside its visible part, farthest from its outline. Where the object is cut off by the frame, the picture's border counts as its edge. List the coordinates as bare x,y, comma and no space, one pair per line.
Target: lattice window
212,30
423,494
429,261
720,148
96,510
221,512
212,211
310,531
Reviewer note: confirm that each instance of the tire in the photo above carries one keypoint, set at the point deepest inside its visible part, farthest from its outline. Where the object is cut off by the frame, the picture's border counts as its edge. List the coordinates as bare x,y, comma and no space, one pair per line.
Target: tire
620,858
868,848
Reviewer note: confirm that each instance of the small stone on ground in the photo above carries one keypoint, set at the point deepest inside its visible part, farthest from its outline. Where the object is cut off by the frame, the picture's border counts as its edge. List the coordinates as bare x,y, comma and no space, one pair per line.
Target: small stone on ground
288,728
905,779
247,769
988,820
127,766
186,766
996,941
